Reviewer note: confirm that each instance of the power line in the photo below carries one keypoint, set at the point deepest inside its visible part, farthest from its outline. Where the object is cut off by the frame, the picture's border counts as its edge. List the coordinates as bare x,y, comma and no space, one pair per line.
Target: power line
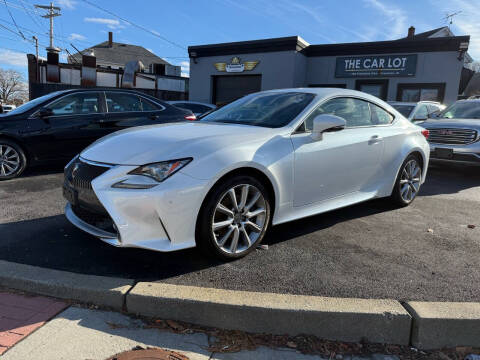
136,25
15,33
30,15
8,9
83,41
25,29
8,38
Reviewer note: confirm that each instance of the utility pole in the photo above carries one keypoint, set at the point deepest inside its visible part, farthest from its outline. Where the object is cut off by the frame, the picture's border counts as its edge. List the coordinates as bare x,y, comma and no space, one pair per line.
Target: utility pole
36,55
50,15
36,46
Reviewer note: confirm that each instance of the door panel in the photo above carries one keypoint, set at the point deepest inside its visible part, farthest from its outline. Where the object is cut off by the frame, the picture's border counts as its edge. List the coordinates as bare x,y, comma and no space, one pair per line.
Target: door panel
342,162
73,126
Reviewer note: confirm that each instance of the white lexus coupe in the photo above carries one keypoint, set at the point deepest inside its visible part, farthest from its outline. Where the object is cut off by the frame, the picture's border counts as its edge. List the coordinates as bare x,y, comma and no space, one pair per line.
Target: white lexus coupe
265,159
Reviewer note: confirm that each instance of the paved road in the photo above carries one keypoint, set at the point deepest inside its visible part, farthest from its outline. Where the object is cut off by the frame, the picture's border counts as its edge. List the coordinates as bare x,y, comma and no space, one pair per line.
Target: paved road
368,250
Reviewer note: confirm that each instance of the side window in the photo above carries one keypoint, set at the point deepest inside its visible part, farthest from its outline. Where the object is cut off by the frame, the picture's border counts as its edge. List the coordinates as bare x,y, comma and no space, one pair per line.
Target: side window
433,109
120,102
80,103
149,106
356,112
380,116
421,113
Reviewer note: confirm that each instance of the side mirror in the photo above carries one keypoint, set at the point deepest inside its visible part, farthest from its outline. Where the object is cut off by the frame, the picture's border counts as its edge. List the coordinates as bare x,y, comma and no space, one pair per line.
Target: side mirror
45,112
326,122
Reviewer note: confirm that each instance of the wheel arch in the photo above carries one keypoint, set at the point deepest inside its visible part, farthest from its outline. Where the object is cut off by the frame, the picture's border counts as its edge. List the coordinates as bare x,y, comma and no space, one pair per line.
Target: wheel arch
420,155
18,142
252,171
244,170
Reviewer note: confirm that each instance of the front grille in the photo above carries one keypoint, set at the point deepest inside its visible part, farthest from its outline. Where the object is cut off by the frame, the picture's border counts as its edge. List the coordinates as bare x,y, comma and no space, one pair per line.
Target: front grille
452,136
79,175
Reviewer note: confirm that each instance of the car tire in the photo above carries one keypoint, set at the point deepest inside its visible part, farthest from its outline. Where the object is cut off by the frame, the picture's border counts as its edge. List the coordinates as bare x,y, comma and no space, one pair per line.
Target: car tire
12,159
408,182
228,231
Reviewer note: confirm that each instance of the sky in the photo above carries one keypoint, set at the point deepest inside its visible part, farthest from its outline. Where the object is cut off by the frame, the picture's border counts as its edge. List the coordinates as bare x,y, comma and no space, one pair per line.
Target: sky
167,27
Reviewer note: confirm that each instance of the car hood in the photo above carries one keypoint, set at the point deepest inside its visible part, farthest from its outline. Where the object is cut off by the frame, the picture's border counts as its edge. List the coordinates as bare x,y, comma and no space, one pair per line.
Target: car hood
452,123
154,143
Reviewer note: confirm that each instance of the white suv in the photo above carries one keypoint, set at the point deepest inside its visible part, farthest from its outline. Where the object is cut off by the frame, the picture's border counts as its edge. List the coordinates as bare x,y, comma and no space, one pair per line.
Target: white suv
417,111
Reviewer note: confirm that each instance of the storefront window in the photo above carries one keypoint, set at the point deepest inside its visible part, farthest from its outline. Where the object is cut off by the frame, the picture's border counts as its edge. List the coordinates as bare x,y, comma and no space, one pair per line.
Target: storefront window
411,95
375,87
375,90
428,94
420,92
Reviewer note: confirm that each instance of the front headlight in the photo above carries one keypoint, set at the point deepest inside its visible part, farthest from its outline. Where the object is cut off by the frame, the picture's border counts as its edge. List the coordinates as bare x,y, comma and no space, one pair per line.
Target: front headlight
156,171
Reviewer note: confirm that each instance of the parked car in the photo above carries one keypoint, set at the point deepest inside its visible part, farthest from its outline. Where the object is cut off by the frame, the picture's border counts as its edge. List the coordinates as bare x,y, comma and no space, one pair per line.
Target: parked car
454,134
269,157
7,108
418,111
59,125
198,108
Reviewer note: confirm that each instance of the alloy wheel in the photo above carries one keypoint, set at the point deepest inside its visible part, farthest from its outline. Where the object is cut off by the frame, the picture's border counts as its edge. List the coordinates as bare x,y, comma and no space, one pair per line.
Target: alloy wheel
239,218
9,160
410,181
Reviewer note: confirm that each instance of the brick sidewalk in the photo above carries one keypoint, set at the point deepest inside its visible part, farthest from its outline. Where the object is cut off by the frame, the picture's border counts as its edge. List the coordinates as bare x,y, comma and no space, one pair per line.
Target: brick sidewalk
20,315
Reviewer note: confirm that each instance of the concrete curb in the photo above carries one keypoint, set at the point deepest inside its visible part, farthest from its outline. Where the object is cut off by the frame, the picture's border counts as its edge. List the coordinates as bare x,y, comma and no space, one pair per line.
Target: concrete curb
444,324
99,290
381,321
431,325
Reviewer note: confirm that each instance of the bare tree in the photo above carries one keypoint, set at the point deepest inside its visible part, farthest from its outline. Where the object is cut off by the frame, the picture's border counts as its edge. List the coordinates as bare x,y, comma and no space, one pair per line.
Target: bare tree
13,88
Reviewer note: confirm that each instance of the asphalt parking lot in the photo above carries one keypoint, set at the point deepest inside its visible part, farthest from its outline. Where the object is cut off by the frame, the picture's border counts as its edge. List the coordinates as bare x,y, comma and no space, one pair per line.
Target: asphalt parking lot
422,252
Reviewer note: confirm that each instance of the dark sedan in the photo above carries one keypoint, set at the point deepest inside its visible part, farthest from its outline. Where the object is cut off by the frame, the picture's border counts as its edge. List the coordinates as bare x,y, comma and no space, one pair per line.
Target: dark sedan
57,126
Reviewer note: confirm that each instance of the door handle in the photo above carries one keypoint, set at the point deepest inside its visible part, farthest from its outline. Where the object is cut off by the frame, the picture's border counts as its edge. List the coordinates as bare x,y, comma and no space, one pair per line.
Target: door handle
153,117
375,139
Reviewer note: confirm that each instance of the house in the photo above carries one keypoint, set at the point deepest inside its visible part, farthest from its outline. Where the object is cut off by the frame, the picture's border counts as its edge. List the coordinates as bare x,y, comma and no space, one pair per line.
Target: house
114,55
108,64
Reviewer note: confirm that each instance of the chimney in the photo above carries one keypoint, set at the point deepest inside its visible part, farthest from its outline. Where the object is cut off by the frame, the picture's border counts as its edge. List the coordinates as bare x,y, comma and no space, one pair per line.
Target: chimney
110,39
411,32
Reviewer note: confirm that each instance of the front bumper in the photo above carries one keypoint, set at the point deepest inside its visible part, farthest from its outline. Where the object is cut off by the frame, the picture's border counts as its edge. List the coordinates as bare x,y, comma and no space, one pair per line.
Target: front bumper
162,218
466,155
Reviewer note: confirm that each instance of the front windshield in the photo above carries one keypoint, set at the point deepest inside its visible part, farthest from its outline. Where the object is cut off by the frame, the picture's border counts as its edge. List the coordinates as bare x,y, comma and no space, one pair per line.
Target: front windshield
31,104
462,110
405,110
272,110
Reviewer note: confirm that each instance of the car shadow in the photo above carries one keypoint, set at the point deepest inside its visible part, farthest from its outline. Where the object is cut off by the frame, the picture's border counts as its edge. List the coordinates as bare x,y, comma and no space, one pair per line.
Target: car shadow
52,242
39,170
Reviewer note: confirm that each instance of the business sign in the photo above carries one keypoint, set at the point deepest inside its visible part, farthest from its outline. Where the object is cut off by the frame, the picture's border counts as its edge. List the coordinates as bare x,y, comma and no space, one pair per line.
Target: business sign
236,65
376,66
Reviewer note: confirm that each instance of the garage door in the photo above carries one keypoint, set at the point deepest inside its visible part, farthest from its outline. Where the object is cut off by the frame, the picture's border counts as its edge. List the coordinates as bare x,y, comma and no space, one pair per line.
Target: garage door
230,87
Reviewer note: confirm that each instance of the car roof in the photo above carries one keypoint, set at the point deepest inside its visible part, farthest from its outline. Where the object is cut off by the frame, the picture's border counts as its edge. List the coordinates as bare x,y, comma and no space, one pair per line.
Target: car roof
413,103
133,91
190,102
402,103
104,89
